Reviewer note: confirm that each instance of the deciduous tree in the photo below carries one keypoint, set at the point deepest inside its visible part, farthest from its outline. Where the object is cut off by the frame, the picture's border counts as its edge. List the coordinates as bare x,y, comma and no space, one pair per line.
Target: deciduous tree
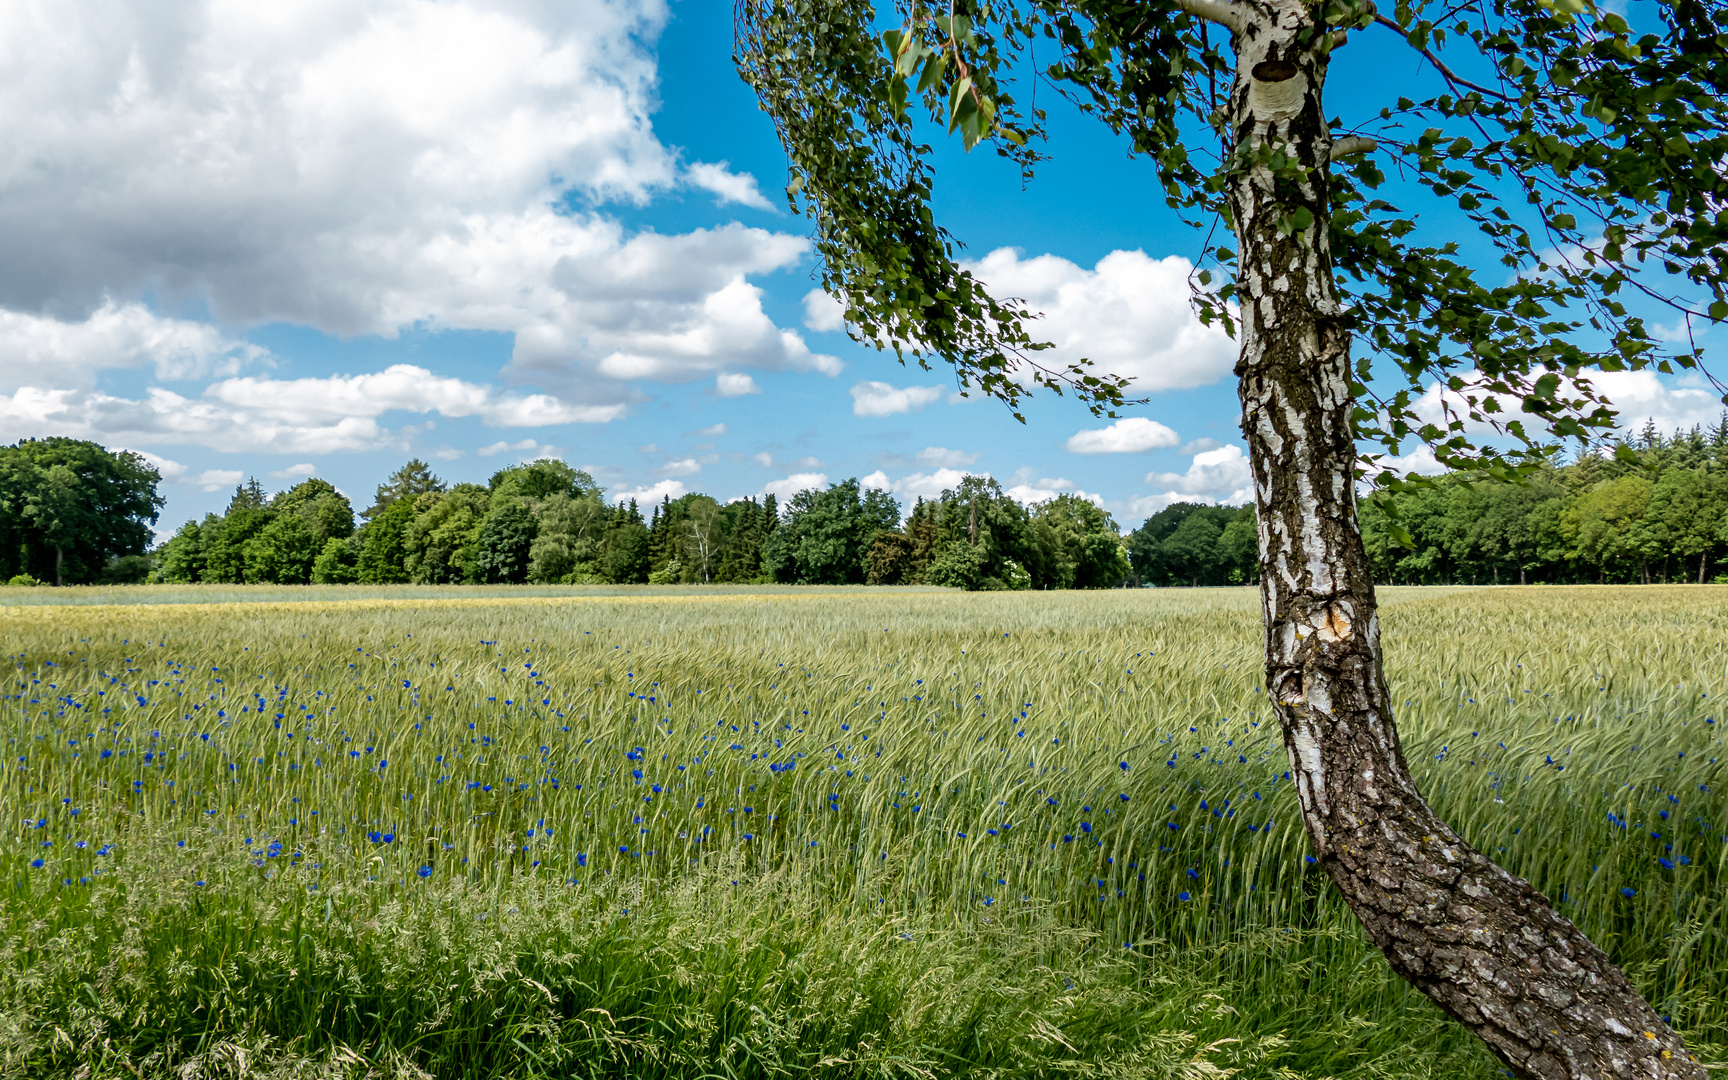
1587,154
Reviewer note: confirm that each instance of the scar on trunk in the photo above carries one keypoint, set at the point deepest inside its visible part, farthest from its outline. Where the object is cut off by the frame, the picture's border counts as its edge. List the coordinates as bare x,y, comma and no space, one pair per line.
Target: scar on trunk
1333,625
1276,92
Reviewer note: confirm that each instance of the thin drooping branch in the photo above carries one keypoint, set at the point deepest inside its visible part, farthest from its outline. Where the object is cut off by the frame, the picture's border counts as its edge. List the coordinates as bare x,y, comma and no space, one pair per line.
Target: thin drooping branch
1439,65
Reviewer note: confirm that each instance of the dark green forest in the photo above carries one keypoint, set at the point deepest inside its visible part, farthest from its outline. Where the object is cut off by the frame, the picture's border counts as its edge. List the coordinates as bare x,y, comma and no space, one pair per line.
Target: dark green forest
73,513
1652,508
547,523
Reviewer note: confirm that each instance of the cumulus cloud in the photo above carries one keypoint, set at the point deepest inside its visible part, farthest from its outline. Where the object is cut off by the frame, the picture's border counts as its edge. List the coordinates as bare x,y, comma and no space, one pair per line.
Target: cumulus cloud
942,457
1220,475
1671,402
930,485
712,430
872,398
295,472
1030,489
1129,314
786,487
218,479
38,349
822,312
1130,435
731,384
356,168
726,185
878,481
502,447
682,467
170,470
311,416
1420,461
401,387
653,493
1201,445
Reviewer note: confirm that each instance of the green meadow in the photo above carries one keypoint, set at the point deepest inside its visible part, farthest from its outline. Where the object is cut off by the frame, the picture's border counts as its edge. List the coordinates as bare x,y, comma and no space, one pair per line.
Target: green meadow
693,832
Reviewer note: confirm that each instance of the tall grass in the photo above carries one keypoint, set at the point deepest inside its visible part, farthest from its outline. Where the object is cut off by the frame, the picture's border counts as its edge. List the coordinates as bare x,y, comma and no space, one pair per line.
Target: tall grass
687,833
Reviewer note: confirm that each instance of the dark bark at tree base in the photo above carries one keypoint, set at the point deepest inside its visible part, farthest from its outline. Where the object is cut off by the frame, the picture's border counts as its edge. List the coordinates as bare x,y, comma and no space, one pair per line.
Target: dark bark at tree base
1484,945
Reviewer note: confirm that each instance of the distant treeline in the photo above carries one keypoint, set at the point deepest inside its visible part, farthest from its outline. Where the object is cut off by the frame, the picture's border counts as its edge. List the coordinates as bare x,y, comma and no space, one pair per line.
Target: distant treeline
1654,509
545,522
1651,508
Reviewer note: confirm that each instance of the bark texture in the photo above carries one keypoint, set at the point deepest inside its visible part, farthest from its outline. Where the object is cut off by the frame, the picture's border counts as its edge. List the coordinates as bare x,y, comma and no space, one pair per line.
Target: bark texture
1483,944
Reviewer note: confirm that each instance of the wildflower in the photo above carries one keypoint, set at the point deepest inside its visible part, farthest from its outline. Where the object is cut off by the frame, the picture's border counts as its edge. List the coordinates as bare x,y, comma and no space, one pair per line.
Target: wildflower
36,864
1183,896
1628,891
424,871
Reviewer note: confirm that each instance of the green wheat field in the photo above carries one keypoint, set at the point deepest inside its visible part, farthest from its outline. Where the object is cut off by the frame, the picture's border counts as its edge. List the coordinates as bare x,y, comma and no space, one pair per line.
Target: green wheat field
701,832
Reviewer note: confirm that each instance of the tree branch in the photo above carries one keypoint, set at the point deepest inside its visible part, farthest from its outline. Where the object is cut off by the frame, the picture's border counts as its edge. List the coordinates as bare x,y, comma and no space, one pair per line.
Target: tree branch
1222,12
1353,144
1446,72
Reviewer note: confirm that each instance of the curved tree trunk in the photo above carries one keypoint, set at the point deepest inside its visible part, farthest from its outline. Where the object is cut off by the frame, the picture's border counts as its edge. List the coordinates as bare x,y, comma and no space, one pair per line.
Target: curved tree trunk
1483,944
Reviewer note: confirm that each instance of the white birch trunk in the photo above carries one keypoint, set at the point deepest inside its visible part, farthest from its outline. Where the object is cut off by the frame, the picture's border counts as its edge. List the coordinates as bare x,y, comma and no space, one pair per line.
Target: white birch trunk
1483,944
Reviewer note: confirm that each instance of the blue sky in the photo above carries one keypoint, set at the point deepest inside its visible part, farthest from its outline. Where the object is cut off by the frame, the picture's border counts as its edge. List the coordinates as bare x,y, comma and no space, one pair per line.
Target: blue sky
321,238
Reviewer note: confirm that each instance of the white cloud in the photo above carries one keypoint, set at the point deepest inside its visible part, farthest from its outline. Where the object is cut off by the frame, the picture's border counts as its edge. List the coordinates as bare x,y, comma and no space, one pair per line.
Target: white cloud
164,417
299,416
170,470
1201,445
295,472
446,453
822,312
682,467
877,480
1129,314
730,384
1130,435
712,430
38,349
502,447
789,486
1673,403
1220,475
942,457
218,479
1420,461
727,186
653,493
357,167
871,398
930,485
399,387
1046,488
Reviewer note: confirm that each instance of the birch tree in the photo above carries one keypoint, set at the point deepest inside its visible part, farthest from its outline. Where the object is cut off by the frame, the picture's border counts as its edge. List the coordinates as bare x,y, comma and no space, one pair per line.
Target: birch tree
1588,156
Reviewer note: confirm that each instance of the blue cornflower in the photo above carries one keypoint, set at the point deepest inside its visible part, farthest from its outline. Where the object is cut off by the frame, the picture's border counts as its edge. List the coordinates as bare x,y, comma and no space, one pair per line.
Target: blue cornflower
36,864
424,871
1183,896
1628,891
